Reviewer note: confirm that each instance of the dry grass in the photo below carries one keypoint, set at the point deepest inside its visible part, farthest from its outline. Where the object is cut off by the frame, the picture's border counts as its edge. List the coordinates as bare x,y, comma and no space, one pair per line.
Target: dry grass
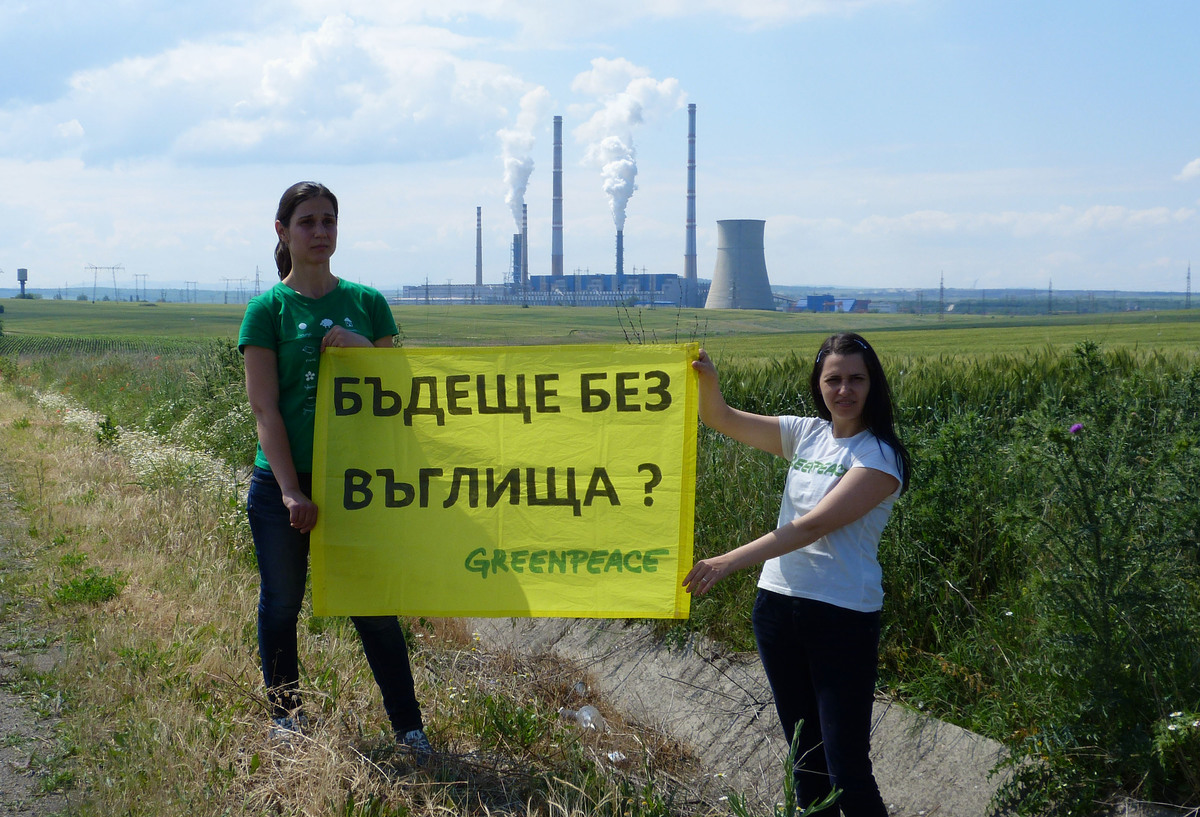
161,688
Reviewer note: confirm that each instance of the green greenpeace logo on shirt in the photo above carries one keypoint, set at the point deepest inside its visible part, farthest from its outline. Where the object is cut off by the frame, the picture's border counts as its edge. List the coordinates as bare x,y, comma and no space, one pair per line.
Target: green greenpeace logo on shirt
831,469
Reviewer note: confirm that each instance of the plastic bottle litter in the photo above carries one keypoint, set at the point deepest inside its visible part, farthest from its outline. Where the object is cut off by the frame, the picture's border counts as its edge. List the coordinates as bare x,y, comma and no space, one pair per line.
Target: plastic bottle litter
587,716
590,718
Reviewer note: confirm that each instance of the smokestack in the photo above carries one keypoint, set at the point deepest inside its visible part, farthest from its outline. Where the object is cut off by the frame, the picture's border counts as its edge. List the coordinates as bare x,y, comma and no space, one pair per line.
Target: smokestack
740,278
556,245
524,245
478,246
689,253
516,259
620,282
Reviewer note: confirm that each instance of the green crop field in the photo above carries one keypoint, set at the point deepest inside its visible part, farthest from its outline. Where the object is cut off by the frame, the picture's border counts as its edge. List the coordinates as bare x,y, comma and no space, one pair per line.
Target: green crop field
742,334
1042,572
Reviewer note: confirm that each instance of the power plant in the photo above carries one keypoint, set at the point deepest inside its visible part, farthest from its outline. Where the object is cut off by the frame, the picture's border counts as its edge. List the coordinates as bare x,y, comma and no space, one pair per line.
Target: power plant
739,278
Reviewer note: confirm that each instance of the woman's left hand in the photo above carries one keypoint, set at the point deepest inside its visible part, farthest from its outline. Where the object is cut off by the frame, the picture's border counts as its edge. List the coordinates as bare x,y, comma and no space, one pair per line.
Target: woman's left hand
341,336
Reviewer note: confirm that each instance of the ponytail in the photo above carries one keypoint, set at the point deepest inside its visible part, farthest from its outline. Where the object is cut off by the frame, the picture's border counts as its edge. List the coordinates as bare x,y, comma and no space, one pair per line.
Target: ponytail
283,259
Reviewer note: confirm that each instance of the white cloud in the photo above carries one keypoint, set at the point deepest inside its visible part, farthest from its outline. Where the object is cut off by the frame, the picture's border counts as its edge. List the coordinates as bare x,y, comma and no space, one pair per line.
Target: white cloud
607,77
1062,222
338,92
538,20
1062,260
1190,171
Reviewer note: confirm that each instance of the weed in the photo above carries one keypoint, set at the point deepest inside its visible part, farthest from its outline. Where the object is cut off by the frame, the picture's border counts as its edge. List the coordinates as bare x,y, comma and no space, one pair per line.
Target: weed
107,432
93,587
73,560
56,781
789,807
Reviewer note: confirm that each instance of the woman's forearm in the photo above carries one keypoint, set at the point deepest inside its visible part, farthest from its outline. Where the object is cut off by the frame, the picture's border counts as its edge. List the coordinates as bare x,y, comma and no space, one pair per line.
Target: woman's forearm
272,437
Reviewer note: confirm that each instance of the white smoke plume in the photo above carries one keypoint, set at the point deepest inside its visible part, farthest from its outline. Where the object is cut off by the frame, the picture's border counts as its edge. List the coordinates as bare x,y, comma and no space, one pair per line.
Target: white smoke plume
627,97
516,145
618,169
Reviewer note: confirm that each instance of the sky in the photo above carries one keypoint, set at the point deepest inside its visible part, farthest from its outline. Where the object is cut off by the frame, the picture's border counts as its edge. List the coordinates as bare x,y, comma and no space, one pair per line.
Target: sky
886,143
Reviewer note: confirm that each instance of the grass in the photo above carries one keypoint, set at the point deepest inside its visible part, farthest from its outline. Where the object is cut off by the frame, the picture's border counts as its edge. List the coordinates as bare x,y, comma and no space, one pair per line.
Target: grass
1018,580
150,584
744,335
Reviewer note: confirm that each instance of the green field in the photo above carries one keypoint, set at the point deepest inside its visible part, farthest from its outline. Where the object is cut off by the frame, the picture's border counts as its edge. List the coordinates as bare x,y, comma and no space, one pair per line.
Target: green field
1043,570
742,334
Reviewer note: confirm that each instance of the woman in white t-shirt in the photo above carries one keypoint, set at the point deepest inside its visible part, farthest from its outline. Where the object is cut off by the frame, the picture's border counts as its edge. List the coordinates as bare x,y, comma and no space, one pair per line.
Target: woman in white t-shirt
817,614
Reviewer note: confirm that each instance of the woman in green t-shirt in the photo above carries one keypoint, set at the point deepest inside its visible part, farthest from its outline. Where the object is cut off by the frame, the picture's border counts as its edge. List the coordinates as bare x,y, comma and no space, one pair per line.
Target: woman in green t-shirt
282,336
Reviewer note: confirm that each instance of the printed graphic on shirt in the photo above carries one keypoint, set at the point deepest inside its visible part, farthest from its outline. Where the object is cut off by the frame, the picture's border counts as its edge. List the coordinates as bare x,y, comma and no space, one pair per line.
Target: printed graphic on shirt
832,469
312,357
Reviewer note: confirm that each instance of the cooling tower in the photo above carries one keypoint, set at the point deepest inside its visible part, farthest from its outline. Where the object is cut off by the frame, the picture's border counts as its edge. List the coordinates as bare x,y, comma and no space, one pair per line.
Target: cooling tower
556,240
740,277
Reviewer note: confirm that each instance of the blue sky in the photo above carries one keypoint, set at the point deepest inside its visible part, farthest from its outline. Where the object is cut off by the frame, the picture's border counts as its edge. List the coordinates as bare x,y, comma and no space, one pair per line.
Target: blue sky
887,143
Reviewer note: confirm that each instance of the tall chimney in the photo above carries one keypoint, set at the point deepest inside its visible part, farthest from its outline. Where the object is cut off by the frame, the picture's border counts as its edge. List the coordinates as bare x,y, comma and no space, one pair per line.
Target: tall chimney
524,245
516,259
556,240
620,280
478,246
689,253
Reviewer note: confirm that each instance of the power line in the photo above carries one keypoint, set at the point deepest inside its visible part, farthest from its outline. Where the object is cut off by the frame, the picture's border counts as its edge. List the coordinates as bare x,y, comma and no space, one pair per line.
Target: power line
96,277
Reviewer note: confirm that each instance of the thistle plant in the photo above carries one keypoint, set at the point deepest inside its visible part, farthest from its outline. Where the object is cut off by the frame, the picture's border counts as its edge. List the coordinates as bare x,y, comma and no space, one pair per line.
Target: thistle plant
1112,539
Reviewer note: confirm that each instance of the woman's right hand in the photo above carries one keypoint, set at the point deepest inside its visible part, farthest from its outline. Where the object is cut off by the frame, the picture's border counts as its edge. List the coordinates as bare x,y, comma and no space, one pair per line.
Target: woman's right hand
302,511
704,366
706,573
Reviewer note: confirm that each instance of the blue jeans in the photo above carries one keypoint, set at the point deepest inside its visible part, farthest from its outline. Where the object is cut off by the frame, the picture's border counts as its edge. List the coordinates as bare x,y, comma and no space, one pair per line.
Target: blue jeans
282,567
821,661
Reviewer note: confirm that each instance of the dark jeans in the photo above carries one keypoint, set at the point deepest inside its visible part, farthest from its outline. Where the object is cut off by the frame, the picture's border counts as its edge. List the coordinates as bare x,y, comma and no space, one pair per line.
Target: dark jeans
821,661
283,566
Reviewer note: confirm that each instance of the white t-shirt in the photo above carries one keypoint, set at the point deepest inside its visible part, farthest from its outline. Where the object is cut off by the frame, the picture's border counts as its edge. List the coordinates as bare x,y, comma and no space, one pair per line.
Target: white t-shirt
843,567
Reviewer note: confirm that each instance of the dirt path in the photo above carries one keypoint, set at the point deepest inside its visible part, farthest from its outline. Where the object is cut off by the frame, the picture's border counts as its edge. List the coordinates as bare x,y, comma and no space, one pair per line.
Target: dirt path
28,742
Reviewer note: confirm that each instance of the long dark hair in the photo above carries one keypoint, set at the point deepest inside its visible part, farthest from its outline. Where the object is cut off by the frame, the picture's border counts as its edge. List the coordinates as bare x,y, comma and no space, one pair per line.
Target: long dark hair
877,410
292,198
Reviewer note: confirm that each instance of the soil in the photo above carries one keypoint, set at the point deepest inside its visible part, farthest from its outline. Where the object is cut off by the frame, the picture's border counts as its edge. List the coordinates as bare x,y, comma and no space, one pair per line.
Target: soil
28,728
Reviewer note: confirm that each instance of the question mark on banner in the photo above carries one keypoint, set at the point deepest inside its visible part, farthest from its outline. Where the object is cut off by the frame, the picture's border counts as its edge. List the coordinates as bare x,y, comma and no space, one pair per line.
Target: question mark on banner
655,478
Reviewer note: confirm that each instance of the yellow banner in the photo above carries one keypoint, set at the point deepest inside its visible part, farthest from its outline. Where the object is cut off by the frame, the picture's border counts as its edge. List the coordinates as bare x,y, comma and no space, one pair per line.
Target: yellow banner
510,481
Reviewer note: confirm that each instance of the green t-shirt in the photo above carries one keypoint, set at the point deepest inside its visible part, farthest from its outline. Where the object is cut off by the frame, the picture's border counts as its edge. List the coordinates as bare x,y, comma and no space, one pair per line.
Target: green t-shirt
292,325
